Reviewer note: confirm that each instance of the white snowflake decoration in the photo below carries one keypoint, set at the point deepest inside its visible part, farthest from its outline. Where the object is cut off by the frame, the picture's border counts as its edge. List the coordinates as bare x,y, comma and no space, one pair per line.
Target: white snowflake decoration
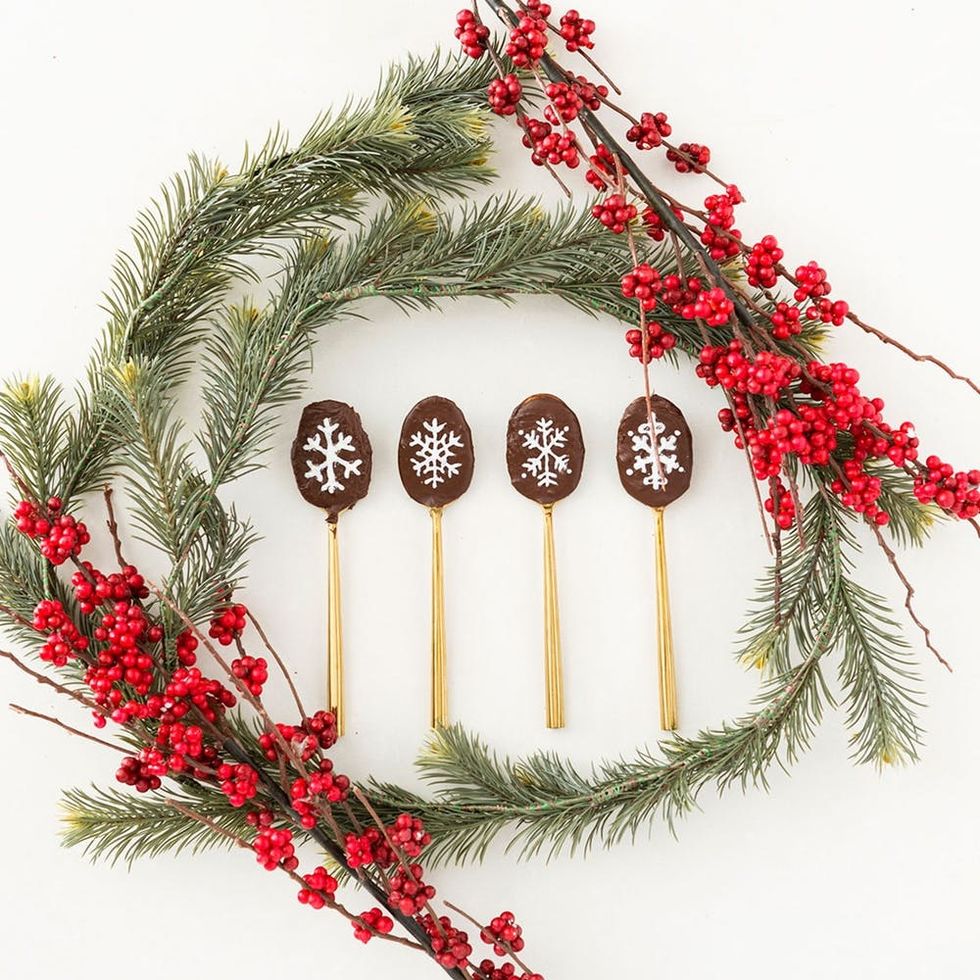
546,465
644,460
434,453
325,471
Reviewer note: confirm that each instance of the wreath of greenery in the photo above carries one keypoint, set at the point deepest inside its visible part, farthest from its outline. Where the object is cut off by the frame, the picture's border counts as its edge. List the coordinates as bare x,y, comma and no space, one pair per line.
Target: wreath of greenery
362,206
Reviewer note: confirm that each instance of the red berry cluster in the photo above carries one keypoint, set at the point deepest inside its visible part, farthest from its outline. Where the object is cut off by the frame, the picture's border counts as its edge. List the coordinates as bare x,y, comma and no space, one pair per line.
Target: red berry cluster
650,131
407,891
488,970
471,33
590,93
369,847
576,30
253,672
64,639
65,539
319,890
764,374
450,945
122,660
228,624
409,835
564,102
658,342
957,493
642,283
812,284
93,588
239,782
185,647
602,167
181,741
654,224
504,95
320,784
529,38
760,265
615,213
371,923
719,234
548,146
504,934
785,321
188,687
274,849
711,305
679,294
690,158
780,504
142,774
62,536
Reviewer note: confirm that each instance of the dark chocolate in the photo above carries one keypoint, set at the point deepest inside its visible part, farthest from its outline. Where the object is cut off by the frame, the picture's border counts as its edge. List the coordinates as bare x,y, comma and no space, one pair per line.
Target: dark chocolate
638,470
545,451
331,457
435,452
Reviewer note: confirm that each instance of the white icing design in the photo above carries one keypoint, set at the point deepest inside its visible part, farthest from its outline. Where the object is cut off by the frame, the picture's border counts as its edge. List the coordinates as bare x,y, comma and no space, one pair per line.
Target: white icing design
331,444
434,447
644,460
546,465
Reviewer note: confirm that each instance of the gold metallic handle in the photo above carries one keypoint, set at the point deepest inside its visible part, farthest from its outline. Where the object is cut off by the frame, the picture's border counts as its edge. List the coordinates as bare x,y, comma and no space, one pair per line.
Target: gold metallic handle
554,690
665,642
335,635
440,689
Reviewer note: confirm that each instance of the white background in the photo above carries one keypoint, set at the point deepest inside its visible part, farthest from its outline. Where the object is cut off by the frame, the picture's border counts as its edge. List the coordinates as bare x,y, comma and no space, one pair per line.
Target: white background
852,129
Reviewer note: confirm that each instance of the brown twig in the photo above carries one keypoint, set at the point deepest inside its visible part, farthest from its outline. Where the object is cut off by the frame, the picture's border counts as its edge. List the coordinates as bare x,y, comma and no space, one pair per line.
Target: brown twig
279,662
909,594
113,526
71,731
48,682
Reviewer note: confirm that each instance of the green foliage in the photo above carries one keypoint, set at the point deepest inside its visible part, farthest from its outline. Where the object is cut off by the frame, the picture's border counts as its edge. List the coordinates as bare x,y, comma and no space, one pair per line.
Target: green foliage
110,825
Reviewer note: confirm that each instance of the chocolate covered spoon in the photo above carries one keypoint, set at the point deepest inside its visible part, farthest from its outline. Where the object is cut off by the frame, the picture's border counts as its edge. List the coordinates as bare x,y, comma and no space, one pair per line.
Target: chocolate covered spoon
435,462
545,453
655,456
331,459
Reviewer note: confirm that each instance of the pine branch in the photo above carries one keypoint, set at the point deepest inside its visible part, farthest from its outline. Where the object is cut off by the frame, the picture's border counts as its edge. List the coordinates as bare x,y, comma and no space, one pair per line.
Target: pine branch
113,826
543,804
32,427
422,133
877,672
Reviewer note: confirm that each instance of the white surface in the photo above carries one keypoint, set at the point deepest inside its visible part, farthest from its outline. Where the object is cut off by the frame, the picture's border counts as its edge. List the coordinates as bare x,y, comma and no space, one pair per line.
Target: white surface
853,131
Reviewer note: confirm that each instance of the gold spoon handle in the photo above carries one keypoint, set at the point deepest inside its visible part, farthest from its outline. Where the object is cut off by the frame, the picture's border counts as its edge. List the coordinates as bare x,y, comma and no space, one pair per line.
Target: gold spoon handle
335,635
665,643
440,688
554,689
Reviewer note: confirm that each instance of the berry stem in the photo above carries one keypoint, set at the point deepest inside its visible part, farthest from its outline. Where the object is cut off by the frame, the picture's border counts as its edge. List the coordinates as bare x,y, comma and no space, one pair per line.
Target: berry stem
21,710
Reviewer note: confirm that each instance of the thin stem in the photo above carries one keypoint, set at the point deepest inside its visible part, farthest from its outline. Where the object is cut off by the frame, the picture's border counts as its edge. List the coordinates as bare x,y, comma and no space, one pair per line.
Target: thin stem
48,682
67,728
279,662
909,594
113,526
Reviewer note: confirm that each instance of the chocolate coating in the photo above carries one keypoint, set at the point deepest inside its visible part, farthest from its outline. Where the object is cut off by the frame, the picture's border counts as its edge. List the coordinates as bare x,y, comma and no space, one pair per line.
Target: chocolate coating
426,480
638,471
331,457
545,451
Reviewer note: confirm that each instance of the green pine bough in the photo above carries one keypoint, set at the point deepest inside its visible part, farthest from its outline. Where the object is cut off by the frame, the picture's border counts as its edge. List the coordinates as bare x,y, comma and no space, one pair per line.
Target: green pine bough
362,207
